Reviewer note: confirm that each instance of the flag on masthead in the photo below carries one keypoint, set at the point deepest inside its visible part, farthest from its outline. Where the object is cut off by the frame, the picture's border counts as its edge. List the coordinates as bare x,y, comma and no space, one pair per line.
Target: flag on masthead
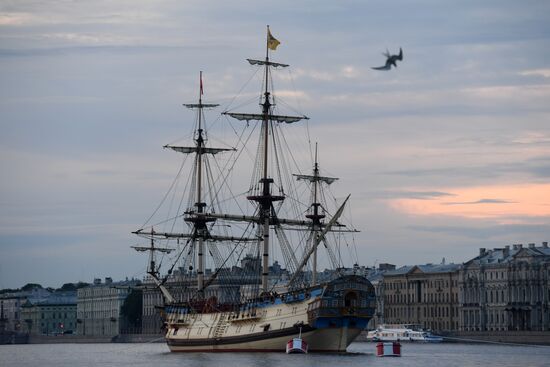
272,42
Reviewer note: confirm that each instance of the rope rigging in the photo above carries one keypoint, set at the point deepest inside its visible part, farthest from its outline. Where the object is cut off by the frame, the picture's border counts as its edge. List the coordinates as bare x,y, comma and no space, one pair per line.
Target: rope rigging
273,193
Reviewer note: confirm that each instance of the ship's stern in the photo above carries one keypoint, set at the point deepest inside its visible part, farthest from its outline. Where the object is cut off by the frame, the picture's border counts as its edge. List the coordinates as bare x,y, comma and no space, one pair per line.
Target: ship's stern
340,314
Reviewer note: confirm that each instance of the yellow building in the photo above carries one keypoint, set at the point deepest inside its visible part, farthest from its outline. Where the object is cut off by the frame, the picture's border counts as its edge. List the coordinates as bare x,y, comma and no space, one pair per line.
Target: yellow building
426,295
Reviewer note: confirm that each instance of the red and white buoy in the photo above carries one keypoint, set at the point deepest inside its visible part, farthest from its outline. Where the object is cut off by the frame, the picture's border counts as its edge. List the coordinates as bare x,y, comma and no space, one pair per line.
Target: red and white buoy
392,349
296,345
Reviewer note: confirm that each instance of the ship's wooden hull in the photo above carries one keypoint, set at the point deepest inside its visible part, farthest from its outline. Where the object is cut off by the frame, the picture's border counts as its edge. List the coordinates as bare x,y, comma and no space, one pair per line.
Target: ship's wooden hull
319,340
329,318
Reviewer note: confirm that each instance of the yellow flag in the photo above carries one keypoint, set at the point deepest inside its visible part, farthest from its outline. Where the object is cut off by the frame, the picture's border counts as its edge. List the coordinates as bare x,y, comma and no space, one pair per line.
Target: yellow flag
272,42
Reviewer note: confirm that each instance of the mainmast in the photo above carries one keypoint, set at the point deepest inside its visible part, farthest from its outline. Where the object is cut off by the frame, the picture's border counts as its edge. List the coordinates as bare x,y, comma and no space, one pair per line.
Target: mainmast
200,223
264,198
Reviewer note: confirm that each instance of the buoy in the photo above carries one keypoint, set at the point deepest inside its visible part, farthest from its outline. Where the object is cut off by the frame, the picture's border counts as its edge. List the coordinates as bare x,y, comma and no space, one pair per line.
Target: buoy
392,349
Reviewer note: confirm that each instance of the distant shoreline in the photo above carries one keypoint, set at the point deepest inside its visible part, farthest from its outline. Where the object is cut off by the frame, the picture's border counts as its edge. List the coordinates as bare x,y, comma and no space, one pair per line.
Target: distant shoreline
503,337
76,339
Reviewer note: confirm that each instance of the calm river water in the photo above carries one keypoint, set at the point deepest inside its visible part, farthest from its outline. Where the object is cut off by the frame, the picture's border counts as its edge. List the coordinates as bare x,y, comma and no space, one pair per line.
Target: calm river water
359,354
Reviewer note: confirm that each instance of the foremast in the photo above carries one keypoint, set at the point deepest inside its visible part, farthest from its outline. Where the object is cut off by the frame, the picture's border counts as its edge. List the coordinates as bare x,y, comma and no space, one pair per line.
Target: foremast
198,220
196,217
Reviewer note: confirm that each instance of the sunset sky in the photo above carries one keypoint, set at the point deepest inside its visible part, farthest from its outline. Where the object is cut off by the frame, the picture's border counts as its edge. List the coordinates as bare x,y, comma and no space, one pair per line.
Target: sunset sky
446,153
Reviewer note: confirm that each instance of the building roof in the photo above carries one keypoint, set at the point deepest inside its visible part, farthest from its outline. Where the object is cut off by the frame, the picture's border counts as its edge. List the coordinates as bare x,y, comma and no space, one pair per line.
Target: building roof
426,268
509,254
109,283
55,299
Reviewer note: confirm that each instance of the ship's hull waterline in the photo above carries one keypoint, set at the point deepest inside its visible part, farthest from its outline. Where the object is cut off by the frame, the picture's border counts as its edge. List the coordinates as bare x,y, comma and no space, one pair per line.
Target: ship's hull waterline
319,340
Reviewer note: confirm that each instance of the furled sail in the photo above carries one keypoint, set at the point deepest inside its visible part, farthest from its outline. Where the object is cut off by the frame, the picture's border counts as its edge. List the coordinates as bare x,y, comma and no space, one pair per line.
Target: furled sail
204,150
200,105
263,62
260,117
255,219
327,180
209,237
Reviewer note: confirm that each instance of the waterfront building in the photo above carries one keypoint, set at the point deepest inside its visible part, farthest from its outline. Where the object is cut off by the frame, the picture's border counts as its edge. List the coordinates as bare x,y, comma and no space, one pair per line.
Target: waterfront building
100,308
376,277
50,316
10,312
11,305
506,289
426,295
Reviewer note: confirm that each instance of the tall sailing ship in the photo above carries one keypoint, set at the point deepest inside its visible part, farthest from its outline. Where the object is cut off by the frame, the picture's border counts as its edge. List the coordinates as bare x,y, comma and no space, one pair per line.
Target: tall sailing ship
262,307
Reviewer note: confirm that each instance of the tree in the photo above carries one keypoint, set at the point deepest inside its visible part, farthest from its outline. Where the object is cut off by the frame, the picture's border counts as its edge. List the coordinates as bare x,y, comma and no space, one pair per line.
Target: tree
81,285
30,286
131,309
67,287
72,286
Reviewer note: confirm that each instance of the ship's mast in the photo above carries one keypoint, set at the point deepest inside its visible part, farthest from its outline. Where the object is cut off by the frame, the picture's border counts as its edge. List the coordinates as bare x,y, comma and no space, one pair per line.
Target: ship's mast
315,218
315,215
153,271
152,249
267,199
200,224
197,218
264,198
197,215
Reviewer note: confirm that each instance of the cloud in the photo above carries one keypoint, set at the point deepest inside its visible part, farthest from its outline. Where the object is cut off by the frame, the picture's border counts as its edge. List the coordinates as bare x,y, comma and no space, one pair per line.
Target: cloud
524,232
536,72
100,12
419,195
528,200
481,201
299,94
16,19
538,167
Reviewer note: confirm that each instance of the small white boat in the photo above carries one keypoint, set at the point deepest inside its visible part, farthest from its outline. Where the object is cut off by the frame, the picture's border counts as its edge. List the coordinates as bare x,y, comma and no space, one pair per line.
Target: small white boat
296,345
402,333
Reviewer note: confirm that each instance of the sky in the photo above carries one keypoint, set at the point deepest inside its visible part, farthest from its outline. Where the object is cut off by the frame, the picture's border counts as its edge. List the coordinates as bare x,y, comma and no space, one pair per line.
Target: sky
445,154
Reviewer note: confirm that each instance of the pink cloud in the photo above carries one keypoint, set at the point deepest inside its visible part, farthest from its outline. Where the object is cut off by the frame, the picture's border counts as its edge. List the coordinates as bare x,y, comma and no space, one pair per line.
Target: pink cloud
499,202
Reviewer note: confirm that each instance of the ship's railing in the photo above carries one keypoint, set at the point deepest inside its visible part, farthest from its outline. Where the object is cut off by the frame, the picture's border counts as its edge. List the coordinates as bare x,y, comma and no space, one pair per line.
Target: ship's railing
340,303
247,314
340,311
351,285
335,308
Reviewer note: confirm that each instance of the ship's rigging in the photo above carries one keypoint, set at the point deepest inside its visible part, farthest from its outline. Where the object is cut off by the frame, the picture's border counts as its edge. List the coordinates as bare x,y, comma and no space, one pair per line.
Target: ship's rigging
210,229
